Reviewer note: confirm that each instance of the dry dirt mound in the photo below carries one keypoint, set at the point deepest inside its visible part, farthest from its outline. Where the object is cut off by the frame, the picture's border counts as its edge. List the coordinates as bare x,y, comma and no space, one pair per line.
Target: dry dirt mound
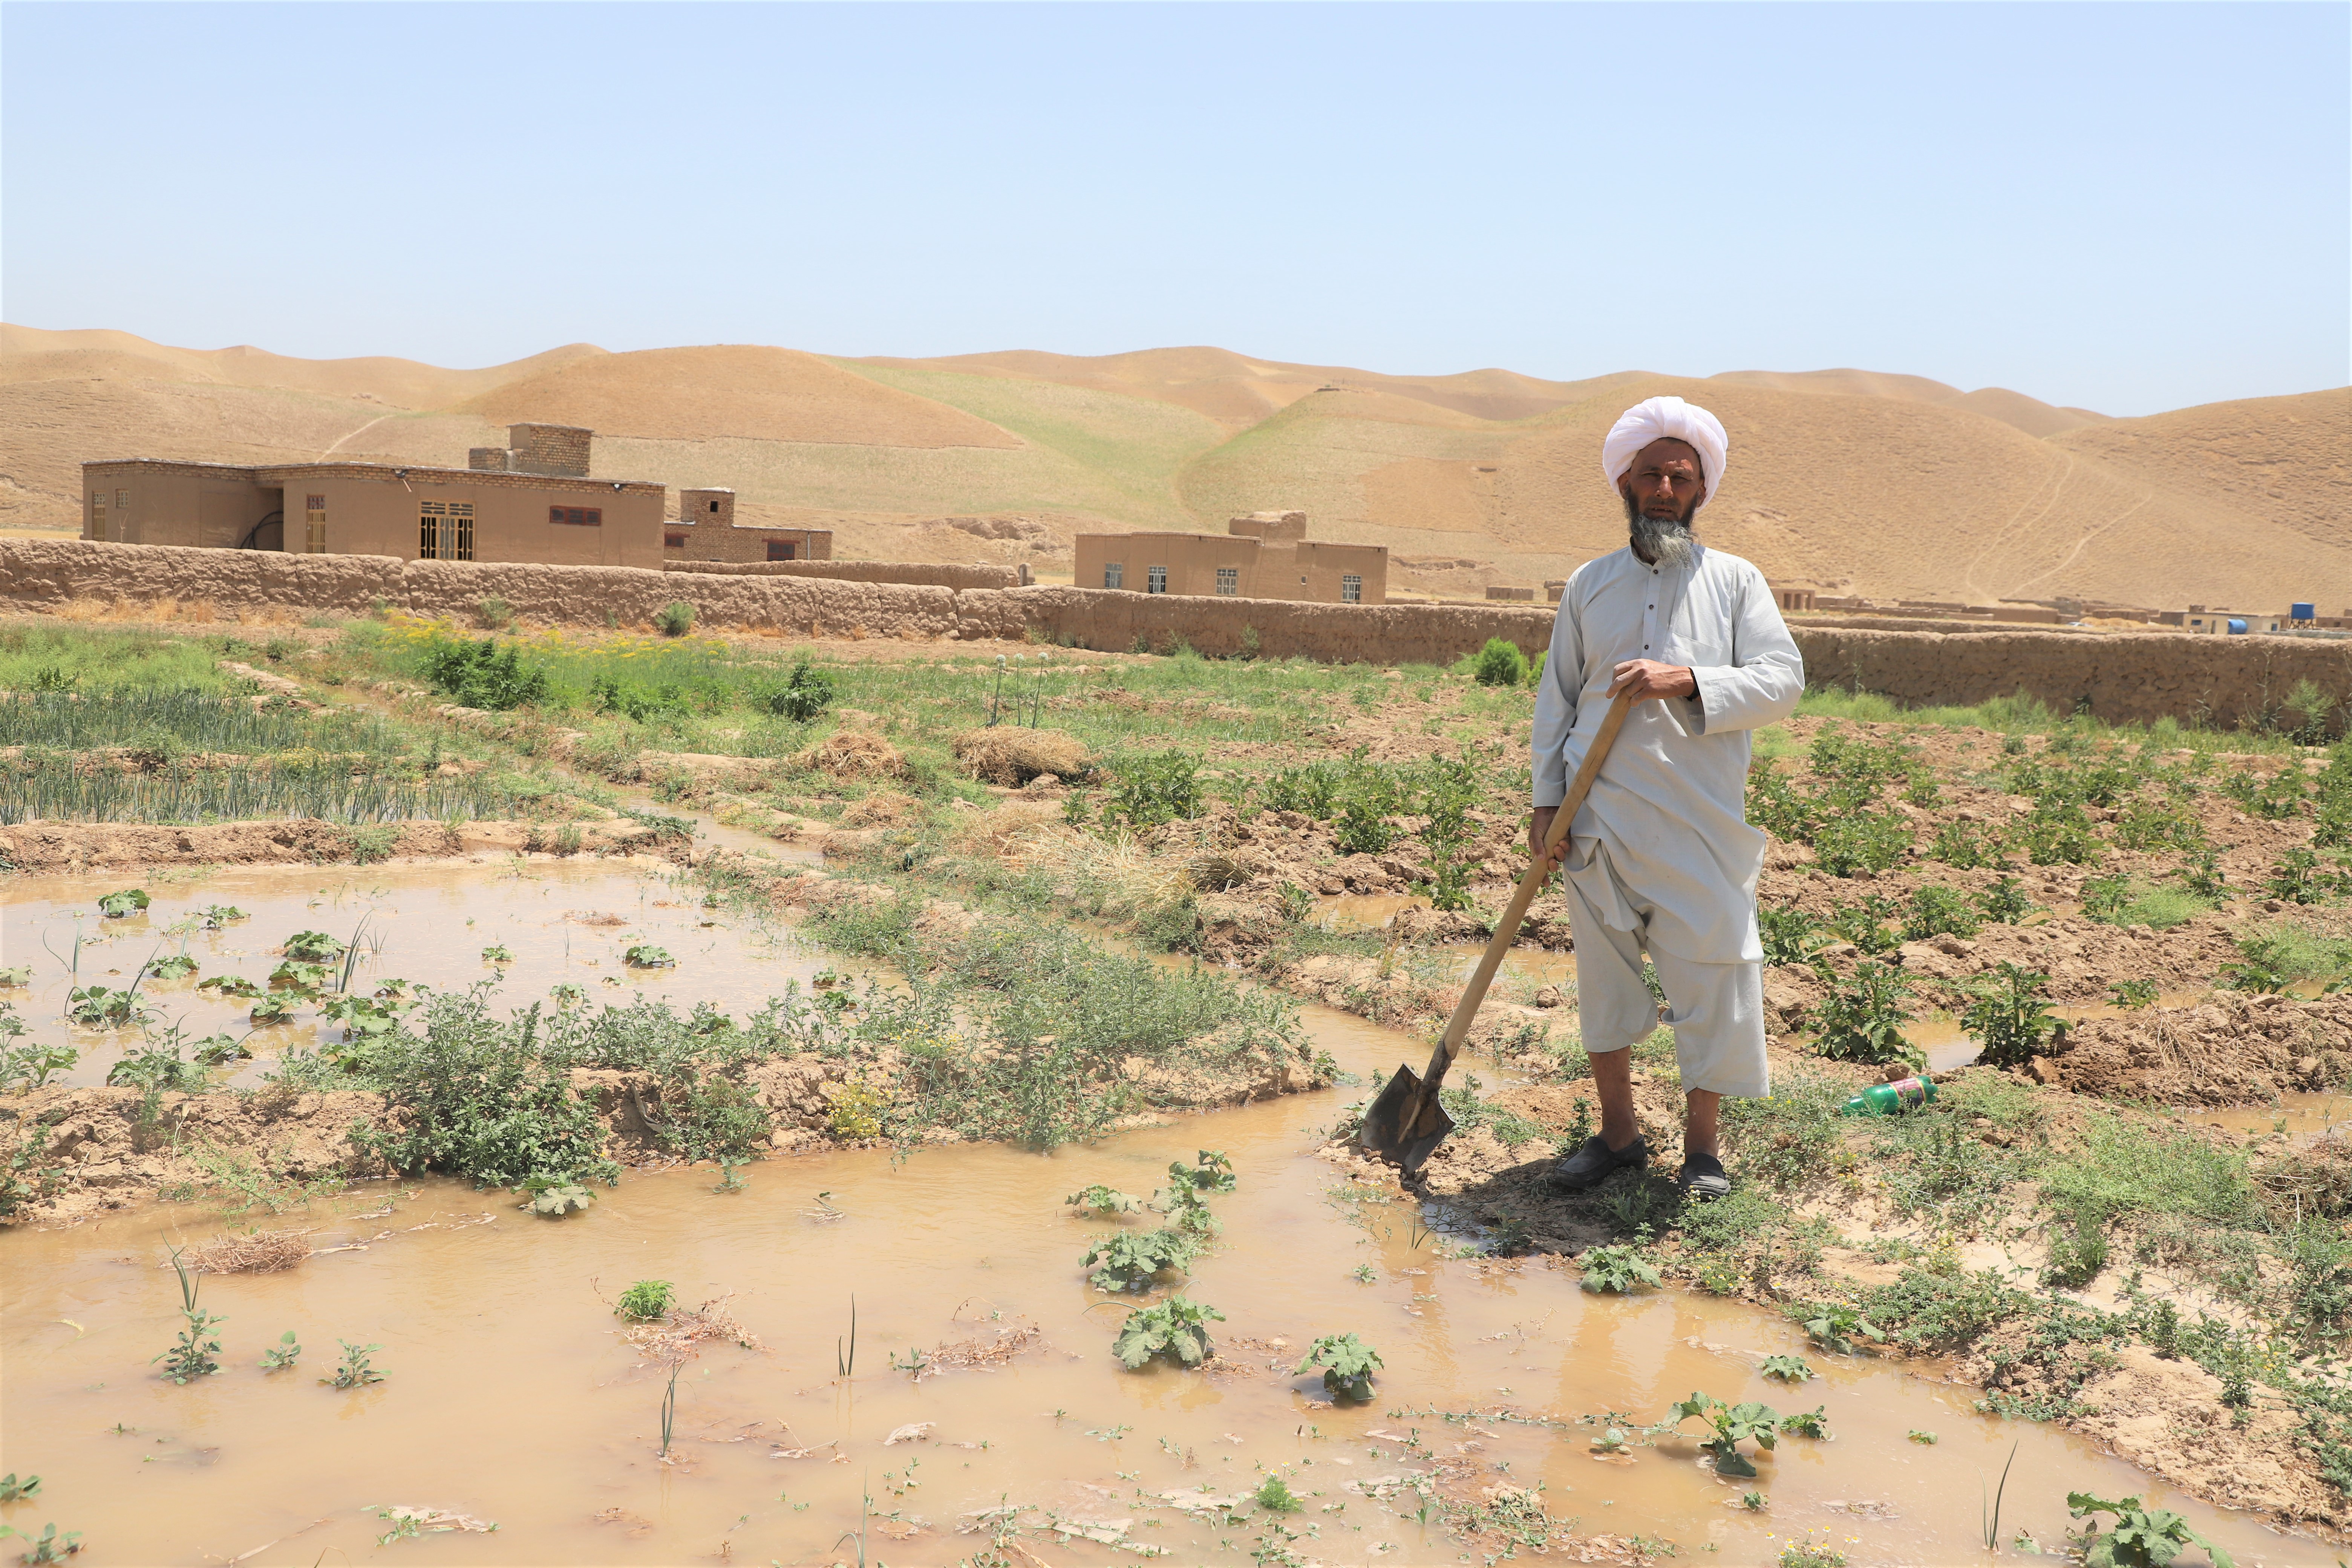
738,390
2230,1051
1007,755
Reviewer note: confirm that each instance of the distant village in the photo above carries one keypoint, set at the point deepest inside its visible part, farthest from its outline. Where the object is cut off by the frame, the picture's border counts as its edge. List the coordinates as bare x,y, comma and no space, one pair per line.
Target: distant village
533,501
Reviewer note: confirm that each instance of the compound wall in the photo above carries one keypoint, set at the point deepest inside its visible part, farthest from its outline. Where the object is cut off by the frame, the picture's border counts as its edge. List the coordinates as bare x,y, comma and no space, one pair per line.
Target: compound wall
2121,676
937,576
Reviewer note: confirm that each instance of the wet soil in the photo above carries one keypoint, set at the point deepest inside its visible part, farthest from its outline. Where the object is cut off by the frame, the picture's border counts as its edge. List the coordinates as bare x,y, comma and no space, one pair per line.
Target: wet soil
512,1394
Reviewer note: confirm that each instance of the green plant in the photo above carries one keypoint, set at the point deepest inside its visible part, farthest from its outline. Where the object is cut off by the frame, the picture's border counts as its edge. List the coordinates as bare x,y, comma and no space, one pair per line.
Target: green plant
647,1301
1616,1269
1814,1423
1820,1554
2300,878
1104,1200
193,1355
551,1198
172,967
1790,935
1175,1329
98,1007
2009,1014
282,1354
1964,846
498,952
2286,955
495,613
1732,1425
2005,901
29,1067
805,694
1787,1368
675,619
229,985
1926,1440
1861,840
1129,1260
120,905
276,1007
312,947
14,1490
2141,1537
641,955
356,1371
46,1547
1937,911
1752,1501
1862,1018
856,1113
2132,993
1151,791
1347,1362
1836,1328
1500,664
157,1069
482,674
1274,1496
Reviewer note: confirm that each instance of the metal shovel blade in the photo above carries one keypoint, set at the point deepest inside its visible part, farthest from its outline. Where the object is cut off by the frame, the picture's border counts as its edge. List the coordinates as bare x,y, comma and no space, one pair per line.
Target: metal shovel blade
1405,1122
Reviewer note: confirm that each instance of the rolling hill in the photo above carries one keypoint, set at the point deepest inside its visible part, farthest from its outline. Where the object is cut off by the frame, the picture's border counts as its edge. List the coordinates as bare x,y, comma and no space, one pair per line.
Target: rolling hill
1866,481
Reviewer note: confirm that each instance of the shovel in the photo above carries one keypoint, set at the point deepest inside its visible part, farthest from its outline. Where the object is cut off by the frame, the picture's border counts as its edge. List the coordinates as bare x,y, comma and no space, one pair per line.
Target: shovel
1407,1121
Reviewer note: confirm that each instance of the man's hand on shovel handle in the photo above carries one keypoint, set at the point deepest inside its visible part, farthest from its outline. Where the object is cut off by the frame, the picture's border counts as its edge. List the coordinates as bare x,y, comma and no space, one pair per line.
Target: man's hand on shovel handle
1646,679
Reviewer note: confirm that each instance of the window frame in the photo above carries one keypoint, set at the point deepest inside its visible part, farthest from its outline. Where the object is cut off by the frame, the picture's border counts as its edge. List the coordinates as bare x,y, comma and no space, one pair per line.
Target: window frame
1115,574
1229,582
580,516
1155,579
1352,588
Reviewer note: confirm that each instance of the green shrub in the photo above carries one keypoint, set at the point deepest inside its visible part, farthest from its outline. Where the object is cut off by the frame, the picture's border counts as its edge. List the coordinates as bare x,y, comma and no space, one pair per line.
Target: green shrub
482,674
1860,841
1175,1329
1790,935
647,1301
1500,663
1155,790
1130,1260
805,694
675,619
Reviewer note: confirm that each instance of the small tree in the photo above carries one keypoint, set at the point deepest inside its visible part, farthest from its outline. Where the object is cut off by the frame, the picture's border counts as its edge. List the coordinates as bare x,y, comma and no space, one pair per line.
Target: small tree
675,619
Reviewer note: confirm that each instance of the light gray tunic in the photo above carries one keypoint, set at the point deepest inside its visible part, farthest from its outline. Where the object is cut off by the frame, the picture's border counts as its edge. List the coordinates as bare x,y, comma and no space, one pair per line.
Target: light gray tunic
1670,803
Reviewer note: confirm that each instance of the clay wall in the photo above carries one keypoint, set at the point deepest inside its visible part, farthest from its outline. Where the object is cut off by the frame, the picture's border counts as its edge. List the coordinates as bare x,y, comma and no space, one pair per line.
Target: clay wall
933,575
2121,676
548,450
698,537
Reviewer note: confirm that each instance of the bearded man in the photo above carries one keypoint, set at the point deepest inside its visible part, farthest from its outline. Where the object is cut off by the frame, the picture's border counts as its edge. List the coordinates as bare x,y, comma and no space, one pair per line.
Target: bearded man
1661,856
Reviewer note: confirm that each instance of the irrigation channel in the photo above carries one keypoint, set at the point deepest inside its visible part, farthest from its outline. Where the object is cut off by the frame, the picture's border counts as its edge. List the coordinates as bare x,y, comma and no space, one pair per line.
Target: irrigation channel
511,1396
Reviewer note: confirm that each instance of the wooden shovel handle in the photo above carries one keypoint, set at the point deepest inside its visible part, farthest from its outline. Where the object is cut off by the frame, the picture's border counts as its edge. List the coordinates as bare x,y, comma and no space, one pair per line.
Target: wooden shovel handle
1506,928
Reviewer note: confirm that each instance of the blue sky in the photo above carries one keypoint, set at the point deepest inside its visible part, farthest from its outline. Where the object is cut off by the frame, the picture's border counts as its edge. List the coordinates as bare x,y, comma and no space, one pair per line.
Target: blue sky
2126,207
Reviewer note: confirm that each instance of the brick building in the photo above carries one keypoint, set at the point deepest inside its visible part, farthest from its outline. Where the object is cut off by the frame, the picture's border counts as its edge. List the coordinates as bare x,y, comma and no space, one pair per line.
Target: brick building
706,529
1266,555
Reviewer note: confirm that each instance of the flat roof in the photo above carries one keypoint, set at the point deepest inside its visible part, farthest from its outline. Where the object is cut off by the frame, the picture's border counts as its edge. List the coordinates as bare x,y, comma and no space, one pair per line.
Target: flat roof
383,473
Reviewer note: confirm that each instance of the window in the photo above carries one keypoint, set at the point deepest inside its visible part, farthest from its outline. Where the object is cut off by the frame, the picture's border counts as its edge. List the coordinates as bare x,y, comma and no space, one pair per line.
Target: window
1229,580
782,549
714,506
1156,579
97,514
577,516
314,525
673,540
123,501
1114,574
445,531
1352,588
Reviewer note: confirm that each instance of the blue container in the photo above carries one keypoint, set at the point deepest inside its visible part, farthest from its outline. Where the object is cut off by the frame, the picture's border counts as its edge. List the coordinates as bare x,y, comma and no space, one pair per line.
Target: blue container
2303,613
2237,627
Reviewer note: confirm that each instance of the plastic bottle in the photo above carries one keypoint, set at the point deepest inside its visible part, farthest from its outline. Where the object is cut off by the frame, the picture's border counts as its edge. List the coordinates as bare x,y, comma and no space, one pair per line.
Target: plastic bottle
1886,1098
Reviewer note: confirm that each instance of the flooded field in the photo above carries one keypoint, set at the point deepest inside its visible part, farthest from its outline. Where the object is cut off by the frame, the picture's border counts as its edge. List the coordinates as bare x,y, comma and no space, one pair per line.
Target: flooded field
983,1418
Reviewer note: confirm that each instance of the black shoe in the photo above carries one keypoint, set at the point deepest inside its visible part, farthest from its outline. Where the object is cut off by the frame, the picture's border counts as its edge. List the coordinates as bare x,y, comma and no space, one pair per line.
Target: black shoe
1595,1163
1702,1178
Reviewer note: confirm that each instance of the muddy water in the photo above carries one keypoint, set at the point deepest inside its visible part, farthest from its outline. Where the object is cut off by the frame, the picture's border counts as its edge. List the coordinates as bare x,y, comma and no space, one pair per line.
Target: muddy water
509,1395
563,922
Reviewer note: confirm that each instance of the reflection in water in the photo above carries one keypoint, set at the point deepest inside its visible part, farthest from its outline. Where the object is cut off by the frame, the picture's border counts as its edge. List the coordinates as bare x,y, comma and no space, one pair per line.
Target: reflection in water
511,1395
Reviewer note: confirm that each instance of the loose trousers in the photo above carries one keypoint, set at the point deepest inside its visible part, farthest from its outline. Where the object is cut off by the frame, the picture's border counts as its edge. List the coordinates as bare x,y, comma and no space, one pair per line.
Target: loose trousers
1717,1010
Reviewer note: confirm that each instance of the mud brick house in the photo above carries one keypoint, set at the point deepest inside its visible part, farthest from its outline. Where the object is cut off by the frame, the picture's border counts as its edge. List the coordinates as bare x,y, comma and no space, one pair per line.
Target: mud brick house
532,500
1266,555
706,529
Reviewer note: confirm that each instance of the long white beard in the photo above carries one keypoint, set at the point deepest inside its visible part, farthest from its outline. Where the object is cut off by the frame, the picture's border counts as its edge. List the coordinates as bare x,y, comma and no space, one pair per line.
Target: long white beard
1668,543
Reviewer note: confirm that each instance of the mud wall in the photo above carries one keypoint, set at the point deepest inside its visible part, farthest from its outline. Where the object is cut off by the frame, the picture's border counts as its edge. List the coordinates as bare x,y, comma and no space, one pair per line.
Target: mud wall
49,574
2121,676
929,575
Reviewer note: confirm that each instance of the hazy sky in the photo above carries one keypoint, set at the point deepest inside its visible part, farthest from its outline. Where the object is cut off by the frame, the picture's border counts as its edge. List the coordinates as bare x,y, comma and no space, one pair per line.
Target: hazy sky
2126,207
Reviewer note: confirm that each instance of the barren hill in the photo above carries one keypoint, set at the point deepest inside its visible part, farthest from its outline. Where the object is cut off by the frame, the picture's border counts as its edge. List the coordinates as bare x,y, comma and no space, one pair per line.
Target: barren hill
1879,483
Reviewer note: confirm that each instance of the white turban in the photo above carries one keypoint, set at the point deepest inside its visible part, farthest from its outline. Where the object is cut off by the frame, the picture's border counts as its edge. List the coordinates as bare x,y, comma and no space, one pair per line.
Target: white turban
1656,418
